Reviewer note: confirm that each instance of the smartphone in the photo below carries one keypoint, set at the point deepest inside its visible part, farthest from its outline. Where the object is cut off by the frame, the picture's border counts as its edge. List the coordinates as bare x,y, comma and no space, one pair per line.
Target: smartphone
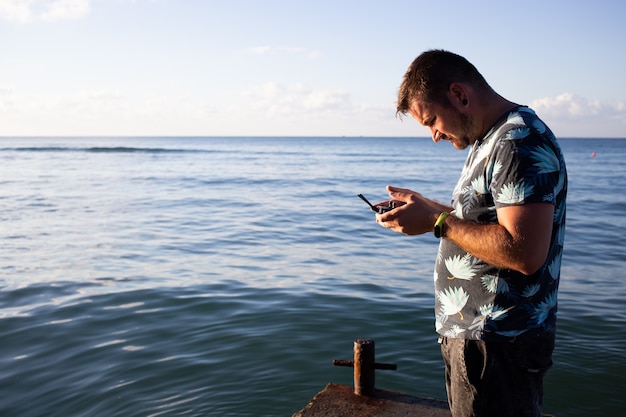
378,209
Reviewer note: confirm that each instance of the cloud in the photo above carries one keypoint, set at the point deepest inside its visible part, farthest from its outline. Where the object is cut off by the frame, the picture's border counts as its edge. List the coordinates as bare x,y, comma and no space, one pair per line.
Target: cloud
275,99
267,50
259,50
21,107
15,10
93,103
105,112
578,116
568,105
66,9
26,11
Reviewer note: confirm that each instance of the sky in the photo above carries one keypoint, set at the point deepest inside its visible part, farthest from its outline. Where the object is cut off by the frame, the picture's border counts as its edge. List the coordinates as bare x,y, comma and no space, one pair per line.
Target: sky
296,68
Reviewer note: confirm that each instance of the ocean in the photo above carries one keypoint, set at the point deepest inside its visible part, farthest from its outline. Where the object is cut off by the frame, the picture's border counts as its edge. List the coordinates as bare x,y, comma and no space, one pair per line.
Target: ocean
221,276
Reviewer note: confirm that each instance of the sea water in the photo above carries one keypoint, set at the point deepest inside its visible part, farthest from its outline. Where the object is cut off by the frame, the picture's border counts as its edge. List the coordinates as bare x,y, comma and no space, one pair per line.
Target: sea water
221,276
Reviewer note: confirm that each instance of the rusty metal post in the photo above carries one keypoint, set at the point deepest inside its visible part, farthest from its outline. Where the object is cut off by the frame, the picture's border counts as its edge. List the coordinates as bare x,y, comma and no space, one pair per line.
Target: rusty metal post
364,365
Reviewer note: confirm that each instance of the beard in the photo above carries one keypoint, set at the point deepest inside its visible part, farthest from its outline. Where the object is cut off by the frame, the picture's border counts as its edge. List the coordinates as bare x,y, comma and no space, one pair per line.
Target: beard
463,139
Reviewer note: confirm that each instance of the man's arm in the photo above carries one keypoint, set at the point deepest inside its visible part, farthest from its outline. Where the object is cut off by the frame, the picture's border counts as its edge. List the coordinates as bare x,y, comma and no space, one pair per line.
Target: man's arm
520,241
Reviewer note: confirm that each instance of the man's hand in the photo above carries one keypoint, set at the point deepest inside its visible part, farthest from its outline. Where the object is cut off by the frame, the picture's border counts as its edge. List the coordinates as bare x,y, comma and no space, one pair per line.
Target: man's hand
417,216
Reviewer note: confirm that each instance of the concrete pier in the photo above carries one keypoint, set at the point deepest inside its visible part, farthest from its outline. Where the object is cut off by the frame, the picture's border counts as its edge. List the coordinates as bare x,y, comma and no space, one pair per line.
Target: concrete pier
364,399
341,401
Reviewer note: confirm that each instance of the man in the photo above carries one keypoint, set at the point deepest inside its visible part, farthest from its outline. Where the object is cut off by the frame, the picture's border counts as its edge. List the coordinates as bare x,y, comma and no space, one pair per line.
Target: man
497,271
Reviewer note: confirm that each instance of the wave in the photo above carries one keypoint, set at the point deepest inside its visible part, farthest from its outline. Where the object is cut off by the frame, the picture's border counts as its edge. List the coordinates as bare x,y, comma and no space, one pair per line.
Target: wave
104,149
125,149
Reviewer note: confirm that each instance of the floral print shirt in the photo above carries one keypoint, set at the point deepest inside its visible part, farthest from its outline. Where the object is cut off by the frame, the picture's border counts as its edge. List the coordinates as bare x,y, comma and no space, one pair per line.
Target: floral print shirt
517,162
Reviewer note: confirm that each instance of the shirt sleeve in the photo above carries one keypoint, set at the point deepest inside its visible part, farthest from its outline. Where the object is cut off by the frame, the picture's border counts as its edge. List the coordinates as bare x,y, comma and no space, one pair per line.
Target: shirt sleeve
526,169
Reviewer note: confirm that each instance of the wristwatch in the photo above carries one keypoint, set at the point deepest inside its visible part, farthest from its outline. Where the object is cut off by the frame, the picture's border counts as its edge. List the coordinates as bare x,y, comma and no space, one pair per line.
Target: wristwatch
440,223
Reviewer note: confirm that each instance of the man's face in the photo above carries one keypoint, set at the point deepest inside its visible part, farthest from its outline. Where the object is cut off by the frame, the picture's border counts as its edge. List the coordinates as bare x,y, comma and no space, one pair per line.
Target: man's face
444,122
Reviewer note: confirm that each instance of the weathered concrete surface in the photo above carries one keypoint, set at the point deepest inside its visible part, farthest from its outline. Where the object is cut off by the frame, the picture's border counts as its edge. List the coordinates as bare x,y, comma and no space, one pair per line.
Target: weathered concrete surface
340,401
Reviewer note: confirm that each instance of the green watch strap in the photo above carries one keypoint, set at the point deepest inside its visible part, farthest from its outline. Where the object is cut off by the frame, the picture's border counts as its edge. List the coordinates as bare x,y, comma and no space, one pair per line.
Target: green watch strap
440,223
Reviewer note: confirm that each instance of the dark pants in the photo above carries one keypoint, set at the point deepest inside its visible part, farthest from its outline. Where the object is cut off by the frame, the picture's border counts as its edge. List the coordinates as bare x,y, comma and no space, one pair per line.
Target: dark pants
497,379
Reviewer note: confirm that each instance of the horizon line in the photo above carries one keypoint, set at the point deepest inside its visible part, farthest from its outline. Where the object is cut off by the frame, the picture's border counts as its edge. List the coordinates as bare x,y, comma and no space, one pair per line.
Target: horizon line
256,136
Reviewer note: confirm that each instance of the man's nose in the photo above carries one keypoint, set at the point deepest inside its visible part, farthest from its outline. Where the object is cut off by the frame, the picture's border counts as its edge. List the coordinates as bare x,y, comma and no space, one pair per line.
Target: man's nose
435,135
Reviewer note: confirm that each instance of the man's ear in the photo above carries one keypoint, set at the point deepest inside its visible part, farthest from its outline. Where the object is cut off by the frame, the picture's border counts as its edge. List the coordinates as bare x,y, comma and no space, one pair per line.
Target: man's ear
458,95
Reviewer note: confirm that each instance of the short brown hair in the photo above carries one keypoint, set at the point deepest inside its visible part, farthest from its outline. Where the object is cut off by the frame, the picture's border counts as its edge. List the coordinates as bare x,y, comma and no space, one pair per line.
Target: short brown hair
429,76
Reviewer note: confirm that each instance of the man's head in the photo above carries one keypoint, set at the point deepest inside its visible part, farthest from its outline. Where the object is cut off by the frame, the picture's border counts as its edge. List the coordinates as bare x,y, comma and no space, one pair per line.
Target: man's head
430,75
443,91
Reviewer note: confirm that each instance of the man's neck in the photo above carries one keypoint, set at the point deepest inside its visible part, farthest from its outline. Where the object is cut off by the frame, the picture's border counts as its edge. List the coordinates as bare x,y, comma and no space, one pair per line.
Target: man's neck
495,107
